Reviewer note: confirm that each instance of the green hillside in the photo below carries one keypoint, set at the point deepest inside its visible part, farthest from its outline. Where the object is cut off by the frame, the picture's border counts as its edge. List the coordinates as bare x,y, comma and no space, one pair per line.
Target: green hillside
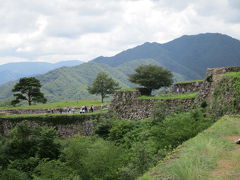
187,57
213,154
13,71
70,83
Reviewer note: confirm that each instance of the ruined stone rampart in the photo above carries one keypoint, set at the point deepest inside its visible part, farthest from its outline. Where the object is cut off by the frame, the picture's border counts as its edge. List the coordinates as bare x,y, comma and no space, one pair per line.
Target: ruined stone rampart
187,87
83,125
127,106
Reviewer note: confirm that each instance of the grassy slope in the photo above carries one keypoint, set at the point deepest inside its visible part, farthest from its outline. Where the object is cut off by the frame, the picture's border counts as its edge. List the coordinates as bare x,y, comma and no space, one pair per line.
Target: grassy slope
29,116
61,104
210,155
183,82
171,96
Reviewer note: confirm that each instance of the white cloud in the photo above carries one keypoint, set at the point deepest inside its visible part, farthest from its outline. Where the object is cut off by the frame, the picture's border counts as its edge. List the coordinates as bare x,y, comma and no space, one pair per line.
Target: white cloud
83,29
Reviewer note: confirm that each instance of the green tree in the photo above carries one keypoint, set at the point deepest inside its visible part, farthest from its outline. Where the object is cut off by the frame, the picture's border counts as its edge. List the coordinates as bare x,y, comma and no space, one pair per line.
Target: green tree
103,85
28,89
151,77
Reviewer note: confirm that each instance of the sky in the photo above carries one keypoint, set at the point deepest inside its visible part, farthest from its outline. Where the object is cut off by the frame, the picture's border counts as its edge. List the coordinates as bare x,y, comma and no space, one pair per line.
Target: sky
57,30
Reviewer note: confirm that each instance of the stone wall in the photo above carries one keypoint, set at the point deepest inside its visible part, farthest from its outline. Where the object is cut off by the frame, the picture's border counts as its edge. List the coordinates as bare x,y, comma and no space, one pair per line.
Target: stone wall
84,128
126,106
188,87
213,77
223,70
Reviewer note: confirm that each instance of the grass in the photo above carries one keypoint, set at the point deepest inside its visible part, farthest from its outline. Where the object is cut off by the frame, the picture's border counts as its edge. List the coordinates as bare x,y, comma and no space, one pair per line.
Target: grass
61,104
55,118
210,155
233,74
127,89
171,96
183,82
50,114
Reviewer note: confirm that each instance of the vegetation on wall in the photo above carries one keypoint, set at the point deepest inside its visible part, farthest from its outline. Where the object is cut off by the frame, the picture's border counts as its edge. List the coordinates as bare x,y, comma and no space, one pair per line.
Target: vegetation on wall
171,96
227,95
55,119
185,82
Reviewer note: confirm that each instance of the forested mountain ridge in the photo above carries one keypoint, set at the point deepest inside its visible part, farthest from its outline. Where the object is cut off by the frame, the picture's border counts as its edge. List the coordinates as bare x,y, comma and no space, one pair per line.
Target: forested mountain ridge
13,71
187,57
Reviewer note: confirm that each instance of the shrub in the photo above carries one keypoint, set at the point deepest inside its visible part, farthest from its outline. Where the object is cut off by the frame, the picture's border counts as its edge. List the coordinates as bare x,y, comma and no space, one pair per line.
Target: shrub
54,170
93,158
177,128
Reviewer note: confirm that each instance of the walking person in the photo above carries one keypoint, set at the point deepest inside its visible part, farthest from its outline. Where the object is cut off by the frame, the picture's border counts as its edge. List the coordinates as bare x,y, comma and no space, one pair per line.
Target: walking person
91,108
86,110
82,109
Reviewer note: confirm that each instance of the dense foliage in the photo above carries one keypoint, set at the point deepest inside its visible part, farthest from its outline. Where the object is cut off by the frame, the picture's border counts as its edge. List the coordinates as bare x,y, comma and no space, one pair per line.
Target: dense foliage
28,89
120,149
151,77
103,85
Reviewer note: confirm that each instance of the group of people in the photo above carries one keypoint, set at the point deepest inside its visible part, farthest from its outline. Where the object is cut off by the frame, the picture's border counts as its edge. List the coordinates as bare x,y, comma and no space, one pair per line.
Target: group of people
84,109
68,110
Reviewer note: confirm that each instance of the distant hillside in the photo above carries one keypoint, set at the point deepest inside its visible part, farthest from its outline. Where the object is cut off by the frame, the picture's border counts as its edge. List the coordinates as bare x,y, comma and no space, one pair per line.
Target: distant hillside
13,71
188,57
71,82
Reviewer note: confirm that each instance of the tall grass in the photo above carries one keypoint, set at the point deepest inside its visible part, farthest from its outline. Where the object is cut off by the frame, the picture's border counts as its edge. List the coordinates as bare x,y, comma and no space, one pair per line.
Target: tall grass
198,157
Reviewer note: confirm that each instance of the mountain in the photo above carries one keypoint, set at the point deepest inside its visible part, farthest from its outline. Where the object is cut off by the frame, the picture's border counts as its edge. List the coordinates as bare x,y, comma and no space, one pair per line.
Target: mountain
188,57
198,52
13,71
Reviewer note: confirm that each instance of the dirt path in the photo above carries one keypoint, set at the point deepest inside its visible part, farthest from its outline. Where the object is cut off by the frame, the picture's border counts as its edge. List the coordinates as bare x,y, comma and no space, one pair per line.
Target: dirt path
229,166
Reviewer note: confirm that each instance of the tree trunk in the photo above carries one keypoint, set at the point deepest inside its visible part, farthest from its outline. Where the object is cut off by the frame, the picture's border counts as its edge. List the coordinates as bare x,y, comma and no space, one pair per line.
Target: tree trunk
29,100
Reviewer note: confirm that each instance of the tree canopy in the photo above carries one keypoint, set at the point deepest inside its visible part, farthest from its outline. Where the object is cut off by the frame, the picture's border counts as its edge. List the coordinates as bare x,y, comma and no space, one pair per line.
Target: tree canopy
28,89
103,85
151,77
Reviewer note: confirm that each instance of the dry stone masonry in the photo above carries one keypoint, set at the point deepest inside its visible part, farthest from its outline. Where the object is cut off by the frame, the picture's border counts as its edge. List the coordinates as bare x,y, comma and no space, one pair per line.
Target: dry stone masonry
126,105
187,87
